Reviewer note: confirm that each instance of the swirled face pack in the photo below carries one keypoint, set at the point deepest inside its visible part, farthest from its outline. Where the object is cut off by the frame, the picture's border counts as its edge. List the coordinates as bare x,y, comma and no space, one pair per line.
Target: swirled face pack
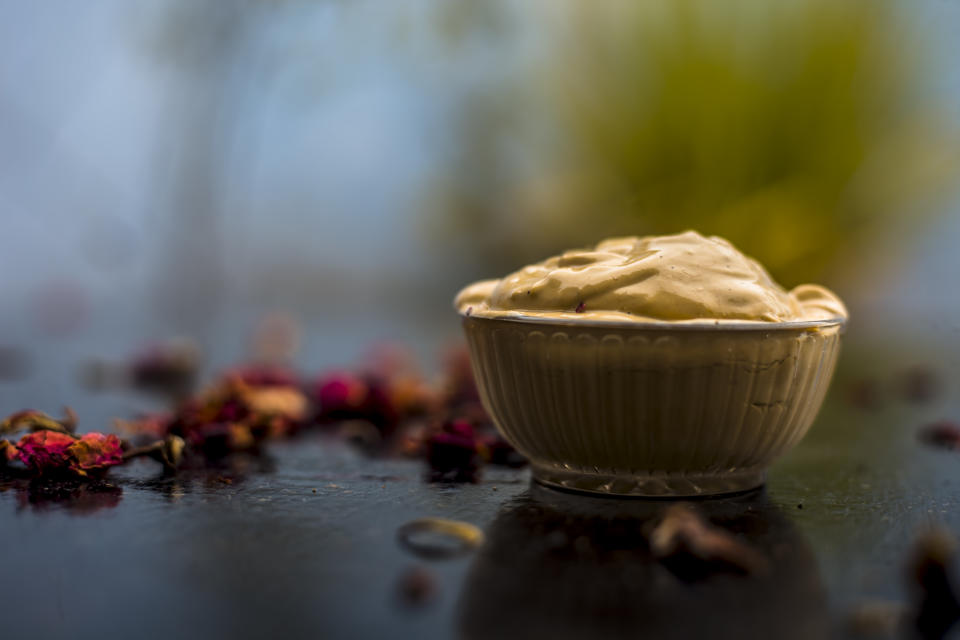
675,278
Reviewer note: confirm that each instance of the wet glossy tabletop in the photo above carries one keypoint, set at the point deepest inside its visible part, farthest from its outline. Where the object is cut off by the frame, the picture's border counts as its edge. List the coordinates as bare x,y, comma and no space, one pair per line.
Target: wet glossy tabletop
301,542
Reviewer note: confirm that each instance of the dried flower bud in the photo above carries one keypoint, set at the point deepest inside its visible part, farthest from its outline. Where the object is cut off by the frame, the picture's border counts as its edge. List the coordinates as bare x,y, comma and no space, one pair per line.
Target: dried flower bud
8,452
169,452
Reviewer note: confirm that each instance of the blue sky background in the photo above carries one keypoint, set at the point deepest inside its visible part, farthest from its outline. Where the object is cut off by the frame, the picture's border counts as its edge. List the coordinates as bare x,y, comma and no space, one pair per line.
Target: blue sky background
332,132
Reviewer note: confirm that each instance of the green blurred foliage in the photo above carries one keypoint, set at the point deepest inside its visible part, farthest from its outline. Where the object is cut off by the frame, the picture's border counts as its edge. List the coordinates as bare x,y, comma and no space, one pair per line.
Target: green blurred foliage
801,130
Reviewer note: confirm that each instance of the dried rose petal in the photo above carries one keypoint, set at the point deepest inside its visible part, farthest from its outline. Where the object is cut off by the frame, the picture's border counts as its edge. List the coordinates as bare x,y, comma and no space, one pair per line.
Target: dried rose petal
8,452
345,396
411,396
460,429
220,438
95,452
44,451
286,402
496,450
234,415
341,392
33,420
50,451
453,454
241,437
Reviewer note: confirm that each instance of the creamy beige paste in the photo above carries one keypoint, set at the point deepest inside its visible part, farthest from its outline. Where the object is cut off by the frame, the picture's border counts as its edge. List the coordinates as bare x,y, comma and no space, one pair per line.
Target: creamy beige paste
676,278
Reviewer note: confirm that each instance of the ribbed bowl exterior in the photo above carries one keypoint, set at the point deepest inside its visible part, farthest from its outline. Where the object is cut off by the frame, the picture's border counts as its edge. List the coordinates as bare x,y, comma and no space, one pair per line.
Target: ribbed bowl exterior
651,411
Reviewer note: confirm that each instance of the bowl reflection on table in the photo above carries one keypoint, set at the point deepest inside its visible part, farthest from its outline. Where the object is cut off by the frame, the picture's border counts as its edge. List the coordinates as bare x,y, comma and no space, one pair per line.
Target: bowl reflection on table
562,566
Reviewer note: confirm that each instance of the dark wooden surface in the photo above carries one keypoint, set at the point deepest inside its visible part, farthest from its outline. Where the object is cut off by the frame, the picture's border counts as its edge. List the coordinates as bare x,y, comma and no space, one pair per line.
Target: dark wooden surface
301,542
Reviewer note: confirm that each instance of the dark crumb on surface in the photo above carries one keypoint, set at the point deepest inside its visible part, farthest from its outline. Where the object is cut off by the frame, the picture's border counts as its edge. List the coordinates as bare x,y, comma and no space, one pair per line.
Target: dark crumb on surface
800,506
417,587
314,490
581,307
944,434
453,455
469,310
937,608
684,534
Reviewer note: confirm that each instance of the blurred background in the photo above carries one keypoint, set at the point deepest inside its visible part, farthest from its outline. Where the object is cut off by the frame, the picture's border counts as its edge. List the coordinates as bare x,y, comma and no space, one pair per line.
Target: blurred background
189,167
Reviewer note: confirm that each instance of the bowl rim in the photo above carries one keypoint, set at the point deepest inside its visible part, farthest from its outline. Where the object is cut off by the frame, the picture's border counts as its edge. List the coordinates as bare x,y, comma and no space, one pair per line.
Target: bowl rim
663,325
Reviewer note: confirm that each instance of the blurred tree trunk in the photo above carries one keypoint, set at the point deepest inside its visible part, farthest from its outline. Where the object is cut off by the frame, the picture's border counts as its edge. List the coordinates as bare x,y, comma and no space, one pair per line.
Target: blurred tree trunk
203,39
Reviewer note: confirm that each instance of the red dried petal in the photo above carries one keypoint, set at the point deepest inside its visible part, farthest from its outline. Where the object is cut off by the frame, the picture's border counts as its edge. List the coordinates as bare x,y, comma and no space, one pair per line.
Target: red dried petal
453,454
287,403
45,450
341,391
94,452
498,451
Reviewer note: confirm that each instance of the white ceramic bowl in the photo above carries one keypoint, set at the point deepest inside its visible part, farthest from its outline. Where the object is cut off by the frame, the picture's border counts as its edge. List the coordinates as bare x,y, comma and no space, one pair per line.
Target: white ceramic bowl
649,408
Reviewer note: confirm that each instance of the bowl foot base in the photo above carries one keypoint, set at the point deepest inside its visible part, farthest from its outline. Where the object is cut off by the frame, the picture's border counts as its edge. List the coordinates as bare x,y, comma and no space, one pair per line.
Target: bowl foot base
650,485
